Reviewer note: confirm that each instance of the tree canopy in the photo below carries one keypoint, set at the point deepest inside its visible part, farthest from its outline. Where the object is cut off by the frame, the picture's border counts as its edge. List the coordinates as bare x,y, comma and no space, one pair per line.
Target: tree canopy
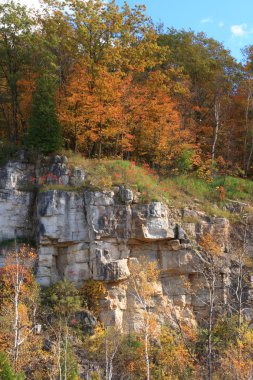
122,86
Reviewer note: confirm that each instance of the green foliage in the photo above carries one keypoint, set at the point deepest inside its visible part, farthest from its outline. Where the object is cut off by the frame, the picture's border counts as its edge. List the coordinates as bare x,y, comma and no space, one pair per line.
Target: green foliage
16,47
132,341
72,366
63,298
7,151
103,174
184,162
235,188
6,370
202,58
44,133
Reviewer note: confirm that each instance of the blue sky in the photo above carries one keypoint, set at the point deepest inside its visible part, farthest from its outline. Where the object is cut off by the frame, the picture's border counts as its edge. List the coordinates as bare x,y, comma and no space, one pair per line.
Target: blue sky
230,22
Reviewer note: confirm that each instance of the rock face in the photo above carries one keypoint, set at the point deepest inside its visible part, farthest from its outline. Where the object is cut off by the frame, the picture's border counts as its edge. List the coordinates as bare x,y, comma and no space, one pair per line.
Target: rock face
84,235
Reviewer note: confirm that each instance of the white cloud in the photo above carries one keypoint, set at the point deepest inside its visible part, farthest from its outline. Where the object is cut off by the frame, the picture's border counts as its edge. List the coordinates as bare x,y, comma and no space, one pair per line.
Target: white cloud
221,24
206,20
239,30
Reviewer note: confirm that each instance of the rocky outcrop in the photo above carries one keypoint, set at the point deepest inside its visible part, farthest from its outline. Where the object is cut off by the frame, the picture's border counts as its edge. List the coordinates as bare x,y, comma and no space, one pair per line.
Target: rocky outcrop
86,234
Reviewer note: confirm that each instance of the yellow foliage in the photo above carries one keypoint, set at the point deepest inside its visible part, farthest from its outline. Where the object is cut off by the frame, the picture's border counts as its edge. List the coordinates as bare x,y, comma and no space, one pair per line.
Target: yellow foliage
92,292
174,360
237,361
208,243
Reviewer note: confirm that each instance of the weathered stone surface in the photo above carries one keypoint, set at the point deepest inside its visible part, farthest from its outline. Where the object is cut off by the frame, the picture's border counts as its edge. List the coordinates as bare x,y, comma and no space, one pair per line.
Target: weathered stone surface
152,222
16,175
85,235
126,195
56,170
106,269
60,216
15,214
180,261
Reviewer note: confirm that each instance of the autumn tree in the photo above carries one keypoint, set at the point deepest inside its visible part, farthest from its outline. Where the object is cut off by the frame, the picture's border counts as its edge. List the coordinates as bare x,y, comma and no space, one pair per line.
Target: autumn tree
19,294
244,99
156,122
94,113
214,75
213,296
237,360
63,301
16,54
172,357
142,289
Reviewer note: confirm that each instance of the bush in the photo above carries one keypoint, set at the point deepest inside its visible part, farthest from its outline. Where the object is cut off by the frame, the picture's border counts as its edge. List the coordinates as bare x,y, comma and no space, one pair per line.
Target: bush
6,370
63,298
184,162
7,151
92,292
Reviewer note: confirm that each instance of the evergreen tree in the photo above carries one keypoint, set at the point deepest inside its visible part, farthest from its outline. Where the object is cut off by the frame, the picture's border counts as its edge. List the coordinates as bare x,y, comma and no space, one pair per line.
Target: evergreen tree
44,133
6,371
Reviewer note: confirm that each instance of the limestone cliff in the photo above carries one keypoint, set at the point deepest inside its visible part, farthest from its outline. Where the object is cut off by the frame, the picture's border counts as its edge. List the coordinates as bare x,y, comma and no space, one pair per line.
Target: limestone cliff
87,234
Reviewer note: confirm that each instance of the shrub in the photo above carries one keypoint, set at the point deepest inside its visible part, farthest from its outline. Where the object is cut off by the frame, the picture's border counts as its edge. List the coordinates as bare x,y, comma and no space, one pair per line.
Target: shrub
6,370
63,298
7,151
92,292
184,162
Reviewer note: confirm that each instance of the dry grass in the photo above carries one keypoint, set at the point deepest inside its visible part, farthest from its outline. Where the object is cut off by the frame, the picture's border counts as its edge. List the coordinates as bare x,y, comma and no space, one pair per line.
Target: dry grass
178,191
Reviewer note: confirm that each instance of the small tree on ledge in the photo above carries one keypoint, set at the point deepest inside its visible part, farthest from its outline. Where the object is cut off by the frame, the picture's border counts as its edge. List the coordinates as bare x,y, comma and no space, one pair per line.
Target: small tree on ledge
44,133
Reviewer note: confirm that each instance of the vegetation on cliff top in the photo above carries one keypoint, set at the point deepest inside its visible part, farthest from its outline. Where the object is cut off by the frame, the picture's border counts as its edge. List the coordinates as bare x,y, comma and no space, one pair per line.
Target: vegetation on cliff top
168,114
105,82
177,190
123,88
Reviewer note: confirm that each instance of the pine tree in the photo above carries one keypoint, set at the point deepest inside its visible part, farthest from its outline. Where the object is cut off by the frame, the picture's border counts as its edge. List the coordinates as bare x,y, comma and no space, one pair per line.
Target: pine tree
6,371
44,133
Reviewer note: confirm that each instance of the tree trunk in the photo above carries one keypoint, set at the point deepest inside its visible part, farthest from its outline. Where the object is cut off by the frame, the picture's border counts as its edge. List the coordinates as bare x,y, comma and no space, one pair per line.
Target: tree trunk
216,130
146,350
209,357
14,95
59,356
250,156
246,133
66,354
16,324
75,142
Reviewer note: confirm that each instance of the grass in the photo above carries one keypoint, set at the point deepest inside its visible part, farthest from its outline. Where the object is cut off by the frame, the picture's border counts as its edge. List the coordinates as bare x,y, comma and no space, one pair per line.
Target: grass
234,188
214,210
105,174
178,190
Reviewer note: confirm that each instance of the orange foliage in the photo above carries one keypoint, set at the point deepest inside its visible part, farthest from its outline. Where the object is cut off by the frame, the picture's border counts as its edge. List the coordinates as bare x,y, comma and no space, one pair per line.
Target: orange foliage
19,294
91,110
156,125
208,243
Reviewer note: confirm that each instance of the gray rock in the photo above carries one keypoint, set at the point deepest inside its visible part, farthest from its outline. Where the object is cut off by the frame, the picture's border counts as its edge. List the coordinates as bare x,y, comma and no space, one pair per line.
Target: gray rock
126,195
84,235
